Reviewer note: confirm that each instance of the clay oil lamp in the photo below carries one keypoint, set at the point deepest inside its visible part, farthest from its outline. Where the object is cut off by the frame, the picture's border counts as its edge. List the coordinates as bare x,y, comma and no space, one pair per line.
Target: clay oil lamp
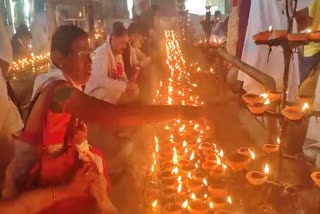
168,194
237,161
169,183
186,169
275,96
219,203
165,174
251,99
208,166
167,165
206,146
165,154
257,178
172,208
217,172
199,176
315,176
184,163
301,100
263,37
218,190
208,152
195,186
247,152
197,207
271,148
258,108
295,112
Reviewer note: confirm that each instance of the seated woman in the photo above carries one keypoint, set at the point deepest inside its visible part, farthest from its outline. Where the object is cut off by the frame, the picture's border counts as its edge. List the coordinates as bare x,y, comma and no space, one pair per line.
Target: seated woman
109,81
50,149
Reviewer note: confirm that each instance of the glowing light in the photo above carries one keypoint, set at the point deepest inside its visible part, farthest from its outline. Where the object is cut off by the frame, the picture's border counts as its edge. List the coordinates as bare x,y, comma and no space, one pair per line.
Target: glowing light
278,141
221,153
265,95
266,169
175,170
267,102
252,155
193,196
189,175
154,204
305,107
270,28
211,205
185,204
205,182
229,200
180,187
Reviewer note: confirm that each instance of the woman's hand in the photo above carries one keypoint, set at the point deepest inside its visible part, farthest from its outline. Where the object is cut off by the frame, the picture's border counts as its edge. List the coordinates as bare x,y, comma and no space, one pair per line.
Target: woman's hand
81,134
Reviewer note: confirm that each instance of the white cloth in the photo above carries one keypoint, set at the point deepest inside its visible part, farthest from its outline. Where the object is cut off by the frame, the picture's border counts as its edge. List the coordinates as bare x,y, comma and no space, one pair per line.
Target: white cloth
265,13
40,38
102,84
5,44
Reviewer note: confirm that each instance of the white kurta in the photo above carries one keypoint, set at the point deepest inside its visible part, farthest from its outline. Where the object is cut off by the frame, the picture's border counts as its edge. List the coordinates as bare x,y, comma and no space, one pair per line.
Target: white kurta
265,13
100,84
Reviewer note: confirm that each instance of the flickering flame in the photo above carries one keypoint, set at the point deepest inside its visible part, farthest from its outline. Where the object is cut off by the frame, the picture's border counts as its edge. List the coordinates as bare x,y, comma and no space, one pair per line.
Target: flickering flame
211,205
252,155
152,168
154,204
196,126
229,200
189,175
265,95
179,187
224,166
218,160
278,140
175,170
199,140
309,30
181,129
221,153
270,28
267,102
193,196
305,106
192,156
184,144
205,195
185,204
170,101
198,69
186,150
167,128
266,169
204,181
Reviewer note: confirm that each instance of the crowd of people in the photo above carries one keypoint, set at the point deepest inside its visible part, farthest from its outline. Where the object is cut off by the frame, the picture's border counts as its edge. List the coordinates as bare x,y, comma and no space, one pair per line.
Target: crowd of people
48,166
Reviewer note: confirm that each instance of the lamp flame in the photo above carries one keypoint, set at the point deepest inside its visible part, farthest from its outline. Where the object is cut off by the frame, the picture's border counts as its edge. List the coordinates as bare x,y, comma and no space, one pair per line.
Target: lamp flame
204,181
154,204
278,140
265,95
218,160
305,106
175,170
180,187
266,169
211,205
270,28
253,156
267,102
193,196
221,153
229,200
185,204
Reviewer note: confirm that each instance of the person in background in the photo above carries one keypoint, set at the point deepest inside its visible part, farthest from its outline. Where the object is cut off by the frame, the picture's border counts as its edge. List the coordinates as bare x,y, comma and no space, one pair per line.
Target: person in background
10,119
56,123
39,30
218,27
21,41
109,81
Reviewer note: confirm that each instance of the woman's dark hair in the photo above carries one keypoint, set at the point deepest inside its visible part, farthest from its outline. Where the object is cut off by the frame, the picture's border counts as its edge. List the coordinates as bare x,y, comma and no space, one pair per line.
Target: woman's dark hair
64,37
135,28
118,29
23,31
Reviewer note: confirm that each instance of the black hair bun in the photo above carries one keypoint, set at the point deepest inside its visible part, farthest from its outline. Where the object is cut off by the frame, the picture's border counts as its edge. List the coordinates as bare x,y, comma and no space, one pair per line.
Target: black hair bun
118,28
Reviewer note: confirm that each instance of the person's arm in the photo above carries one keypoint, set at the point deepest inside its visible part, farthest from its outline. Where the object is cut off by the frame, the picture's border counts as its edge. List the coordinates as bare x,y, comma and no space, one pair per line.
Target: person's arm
92,110
37,200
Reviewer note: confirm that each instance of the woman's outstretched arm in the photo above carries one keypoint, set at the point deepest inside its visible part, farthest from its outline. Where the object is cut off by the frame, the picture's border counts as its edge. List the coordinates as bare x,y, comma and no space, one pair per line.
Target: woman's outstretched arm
92,110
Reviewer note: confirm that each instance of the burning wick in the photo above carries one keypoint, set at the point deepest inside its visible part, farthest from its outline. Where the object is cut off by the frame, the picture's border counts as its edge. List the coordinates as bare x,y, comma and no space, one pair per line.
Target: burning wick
229,200
221,153
185,204
266,169
305,107
270,28
154,204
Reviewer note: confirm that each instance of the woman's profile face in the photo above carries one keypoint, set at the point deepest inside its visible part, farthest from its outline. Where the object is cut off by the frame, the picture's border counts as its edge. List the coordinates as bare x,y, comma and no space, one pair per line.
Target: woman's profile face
80,60
119,43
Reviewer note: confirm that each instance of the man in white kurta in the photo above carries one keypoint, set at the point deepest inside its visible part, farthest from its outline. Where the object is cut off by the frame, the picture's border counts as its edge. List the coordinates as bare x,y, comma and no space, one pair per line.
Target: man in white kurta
102,84
10,120
265,13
